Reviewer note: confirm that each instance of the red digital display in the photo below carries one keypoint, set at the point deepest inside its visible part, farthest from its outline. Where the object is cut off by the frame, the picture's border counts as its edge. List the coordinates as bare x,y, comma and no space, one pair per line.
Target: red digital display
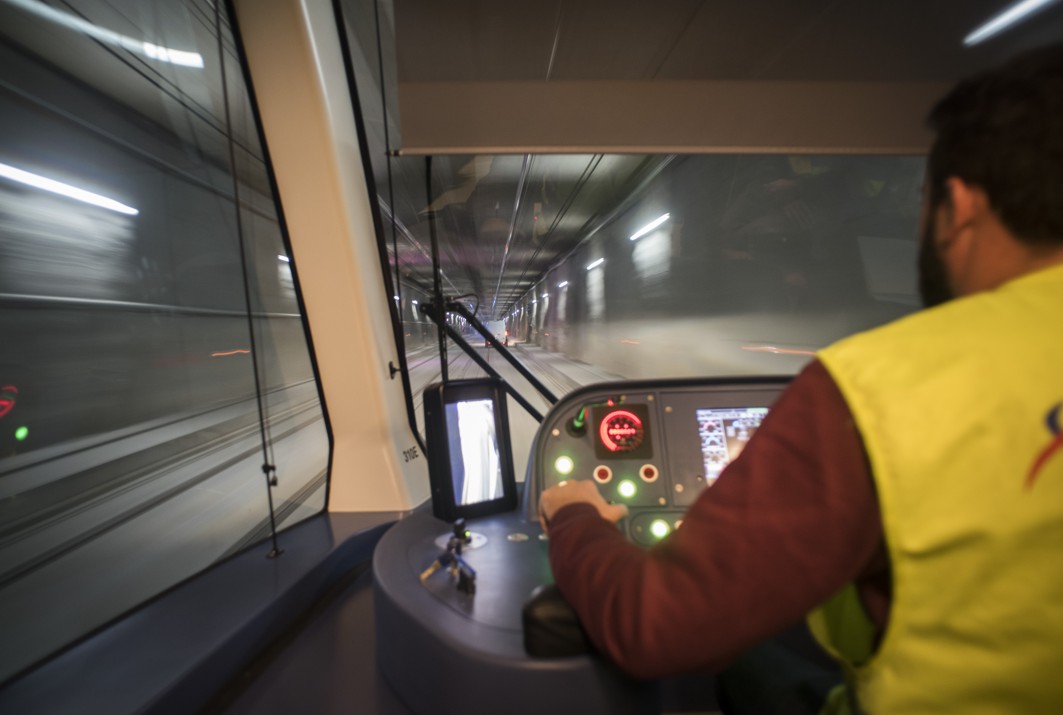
621,431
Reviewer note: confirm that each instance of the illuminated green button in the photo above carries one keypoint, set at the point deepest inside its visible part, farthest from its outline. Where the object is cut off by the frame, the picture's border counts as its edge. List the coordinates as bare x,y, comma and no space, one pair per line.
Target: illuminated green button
564,465
22,433
660,528
627,488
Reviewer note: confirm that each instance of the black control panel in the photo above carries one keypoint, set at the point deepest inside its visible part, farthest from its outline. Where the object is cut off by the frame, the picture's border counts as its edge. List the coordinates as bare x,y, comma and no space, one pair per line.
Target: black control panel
653,446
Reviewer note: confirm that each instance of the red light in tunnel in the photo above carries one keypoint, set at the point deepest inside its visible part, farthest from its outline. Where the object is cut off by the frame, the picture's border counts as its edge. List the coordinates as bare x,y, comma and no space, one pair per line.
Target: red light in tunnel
776,351
8,393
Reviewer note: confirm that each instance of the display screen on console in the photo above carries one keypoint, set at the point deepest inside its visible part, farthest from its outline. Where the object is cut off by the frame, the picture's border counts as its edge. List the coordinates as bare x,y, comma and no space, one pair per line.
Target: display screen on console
475,465
723,433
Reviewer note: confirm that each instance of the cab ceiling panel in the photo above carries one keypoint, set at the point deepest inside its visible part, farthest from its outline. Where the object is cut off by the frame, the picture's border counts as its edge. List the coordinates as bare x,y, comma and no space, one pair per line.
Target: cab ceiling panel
624,39
685,76
474,40
828,40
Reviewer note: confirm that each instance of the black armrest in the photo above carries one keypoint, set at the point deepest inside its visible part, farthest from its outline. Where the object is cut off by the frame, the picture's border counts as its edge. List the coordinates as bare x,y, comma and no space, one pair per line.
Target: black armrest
551,627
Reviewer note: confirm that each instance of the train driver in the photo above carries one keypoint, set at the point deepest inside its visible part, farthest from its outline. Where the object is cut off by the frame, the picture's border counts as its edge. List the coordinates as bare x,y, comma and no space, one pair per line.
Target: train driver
906,490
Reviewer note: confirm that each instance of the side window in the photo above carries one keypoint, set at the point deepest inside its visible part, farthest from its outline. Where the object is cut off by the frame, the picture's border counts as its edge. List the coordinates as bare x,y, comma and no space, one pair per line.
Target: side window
154,364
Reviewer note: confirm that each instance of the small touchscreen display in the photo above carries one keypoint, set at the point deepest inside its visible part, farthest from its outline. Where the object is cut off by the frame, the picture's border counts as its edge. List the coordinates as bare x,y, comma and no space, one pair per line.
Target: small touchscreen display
470,460
723,433
475,465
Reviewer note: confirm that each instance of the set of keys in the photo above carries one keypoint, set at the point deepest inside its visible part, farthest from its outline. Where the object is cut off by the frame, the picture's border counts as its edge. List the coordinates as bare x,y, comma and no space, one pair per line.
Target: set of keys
451,560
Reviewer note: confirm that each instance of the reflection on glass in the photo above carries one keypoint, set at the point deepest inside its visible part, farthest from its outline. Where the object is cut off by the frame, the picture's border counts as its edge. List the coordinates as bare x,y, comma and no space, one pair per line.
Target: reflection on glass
96,32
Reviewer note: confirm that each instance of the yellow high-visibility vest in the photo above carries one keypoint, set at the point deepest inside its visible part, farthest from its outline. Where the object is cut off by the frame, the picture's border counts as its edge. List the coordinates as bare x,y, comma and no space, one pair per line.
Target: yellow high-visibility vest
959,408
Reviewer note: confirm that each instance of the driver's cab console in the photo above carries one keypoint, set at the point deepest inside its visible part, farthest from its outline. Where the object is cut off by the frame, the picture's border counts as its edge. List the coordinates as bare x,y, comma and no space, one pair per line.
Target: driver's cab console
452,600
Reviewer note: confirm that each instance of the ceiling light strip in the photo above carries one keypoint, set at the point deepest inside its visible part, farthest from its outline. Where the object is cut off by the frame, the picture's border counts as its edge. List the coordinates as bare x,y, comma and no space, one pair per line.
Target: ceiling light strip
650,226
58,187
1004,20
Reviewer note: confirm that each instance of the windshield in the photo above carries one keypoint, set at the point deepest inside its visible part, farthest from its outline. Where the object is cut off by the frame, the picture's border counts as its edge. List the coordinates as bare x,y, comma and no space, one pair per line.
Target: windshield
597,267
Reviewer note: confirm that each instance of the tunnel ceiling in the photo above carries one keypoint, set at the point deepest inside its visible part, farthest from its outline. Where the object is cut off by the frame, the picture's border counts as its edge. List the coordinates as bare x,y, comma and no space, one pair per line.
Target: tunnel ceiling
503,220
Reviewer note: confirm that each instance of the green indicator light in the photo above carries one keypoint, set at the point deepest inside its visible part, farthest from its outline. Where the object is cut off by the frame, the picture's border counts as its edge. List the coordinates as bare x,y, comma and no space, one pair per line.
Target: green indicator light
627,488
22,433
564,465
660,528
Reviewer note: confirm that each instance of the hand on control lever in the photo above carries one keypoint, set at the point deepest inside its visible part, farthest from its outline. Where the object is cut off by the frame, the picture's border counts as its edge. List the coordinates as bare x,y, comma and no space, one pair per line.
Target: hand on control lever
575,492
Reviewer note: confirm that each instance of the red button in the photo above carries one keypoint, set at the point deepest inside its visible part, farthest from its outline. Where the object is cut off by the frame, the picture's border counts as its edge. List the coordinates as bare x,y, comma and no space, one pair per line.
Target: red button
602,474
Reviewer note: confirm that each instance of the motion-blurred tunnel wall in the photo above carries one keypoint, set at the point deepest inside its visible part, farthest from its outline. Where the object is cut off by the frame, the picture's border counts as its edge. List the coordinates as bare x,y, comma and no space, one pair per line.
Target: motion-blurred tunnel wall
734,265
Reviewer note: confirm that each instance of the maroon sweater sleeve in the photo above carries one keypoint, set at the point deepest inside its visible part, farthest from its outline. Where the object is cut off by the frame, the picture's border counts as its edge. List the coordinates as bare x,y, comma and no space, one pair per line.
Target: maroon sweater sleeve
786,525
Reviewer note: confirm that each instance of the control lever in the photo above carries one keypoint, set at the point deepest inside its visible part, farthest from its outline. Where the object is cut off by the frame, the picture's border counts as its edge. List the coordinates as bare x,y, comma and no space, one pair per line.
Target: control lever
577,426
551,628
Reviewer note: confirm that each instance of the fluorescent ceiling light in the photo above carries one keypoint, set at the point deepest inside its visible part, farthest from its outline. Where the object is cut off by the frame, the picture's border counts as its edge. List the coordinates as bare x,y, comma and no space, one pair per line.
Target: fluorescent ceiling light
165,54
110,37
597,263
546,295
1004,20
414,302
562,284
284,258
57,187
649,227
